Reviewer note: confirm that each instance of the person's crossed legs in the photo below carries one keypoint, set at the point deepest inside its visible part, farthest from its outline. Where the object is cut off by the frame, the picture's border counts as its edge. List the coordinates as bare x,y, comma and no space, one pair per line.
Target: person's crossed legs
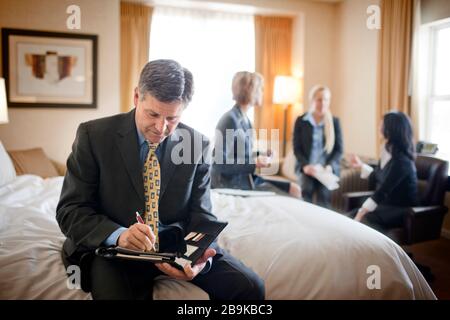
228,279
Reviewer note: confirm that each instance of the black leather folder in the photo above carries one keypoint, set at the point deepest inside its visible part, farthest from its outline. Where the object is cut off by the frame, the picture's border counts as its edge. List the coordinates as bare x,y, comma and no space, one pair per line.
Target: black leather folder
191,248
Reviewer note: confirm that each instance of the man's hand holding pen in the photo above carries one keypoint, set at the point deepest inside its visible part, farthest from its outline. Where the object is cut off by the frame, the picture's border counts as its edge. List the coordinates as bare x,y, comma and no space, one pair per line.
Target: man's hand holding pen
139,236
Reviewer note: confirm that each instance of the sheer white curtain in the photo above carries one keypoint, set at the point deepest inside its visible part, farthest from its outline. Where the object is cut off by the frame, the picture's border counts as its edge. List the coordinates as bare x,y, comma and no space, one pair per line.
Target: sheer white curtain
213,46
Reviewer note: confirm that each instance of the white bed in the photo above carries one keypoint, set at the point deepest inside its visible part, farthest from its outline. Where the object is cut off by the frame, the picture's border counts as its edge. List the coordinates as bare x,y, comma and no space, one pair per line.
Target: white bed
300,250
303,251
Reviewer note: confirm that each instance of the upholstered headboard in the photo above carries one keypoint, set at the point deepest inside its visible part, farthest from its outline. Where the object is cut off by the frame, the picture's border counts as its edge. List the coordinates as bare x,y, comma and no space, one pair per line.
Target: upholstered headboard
35,161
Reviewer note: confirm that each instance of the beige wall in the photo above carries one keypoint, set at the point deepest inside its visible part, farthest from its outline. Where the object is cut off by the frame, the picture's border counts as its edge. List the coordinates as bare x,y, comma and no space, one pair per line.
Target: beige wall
313,39
433,10
54,129
333,46
355,63
313,32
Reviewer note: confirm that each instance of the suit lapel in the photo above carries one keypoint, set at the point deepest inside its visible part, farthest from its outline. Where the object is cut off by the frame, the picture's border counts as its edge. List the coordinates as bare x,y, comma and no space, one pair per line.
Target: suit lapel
127,143
243,120
245,124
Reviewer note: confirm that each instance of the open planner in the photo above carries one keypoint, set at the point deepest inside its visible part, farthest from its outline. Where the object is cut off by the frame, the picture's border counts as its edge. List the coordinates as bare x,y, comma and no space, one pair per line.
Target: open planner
195,244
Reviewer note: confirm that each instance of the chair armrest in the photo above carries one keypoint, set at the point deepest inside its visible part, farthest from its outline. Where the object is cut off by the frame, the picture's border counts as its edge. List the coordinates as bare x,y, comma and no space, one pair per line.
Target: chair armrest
350,181
428,210
358,194
424,223
353,200
276,178
278,163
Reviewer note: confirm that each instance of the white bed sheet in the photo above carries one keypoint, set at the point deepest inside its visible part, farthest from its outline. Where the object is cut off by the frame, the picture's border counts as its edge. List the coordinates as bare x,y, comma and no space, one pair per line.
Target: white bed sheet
300,250
303,251
30,241
30,247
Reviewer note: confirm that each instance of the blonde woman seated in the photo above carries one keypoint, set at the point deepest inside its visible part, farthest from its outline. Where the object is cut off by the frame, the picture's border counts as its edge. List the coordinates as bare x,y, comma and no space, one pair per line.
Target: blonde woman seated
235,168
317,141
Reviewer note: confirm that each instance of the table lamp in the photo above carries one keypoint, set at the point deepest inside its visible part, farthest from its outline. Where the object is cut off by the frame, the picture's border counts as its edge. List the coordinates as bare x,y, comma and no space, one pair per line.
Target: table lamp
286,91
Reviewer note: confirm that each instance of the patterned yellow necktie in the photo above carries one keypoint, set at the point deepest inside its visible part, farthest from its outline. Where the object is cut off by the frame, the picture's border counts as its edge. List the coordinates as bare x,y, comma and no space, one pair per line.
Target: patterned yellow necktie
152,182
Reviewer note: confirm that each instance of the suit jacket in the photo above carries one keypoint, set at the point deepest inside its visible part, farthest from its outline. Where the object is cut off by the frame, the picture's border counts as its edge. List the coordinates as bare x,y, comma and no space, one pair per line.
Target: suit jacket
103,186
396,183
235,174
303,135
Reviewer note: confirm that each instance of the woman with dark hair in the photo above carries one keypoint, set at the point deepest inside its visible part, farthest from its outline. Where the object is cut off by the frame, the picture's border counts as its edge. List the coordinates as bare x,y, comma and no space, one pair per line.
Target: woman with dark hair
395,177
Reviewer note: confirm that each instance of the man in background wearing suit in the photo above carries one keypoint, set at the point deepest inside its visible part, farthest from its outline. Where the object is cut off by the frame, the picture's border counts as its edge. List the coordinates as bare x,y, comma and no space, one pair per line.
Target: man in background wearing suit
123,164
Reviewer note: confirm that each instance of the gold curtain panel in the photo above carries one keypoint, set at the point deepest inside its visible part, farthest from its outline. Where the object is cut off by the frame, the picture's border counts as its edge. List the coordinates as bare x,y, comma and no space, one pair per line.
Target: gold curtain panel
273,46
394,57
135,21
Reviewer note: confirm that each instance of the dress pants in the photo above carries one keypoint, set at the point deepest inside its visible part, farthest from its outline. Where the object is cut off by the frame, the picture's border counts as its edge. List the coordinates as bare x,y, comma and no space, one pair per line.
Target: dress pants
315,192
284,186
384,217
228,279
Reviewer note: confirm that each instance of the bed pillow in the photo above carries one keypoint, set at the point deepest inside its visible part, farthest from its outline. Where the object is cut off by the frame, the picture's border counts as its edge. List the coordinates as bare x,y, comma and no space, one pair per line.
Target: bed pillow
33,161
7,171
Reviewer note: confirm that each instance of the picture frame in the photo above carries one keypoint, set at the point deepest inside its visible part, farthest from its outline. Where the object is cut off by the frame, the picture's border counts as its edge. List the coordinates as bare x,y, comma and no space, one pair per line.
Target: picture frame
49,69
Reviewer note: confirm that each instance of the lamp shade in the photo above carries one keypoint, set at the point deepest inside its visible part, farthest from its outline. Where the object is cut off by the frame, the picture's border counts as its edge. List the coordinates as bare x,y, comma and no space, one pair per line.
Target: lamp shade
286,90
3,104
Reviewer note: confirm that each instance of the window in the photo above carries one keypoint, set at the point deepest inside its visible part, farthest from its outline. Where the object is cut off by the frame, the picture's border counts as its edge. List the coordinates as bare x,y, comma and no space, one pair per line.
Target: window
437,105
213,46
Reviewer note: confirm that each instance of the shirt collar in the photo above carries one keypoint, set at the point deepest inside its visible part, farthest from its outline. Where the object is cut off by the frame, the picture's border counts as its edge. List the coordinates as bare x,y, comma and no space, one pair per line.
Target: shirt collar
309,117
239,111
141,138
242,115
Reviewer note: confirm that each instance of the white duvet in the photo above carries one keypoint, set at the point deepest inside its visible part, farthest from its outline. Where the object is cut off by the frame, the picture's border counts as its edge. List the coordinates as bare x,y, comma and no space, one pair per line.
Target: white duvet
31,242
300,250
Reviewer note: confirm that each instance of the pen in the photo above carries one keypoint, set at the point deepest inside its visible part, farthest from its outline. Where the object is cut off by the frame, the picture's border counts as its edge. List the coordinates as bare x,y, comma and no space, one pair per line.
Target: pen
139,220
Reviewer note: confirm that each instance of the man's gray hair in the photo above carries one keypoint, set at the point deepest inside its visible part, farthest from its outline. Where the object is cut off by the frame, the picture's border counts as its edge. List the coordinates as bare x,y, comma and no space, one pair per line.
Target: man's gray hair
167,81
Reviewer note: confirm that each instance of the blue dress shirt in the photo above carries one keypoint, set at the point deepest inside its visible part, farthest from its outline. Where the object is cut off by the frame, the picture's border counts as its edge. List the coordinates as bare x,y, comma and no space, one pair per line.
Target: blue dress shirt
318,155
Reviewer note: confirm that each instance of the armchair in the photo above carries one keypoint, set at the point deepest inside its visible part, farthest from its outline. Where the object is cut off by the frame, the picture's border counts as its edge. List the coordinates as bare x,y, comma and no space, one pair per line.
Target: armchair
424,222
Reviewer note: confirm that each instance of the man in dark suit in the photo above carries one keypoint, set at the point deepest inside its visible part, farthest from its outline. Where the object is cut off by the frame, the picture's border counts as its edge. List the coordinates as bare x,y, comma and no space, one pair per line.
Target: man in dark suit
115,165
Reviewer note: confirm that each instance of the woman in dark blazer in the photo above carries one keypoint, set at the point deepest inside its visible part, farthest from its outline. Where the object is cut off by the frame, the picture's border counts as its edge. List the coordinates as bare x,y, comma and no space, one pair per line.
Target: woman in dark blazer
235,167
317,141
395,176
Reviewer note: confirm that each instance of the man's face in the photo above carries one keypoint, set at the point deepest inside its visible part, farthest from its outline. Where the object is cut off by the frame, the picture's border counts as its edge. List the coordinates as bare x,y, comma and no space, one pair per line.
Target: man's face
156,120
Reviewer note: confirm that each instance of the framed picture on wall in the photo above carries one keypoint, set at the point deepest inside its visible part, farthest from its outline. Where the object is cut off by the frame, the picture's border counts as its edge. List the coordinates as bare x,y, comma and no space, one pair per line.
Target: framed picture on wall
49,69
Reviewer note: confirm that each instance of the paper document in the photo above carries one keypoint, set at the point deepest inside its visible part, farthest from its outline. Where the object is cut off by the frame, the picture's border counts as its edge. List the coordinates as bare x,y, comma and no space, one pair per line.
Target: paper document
244,193
326,177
